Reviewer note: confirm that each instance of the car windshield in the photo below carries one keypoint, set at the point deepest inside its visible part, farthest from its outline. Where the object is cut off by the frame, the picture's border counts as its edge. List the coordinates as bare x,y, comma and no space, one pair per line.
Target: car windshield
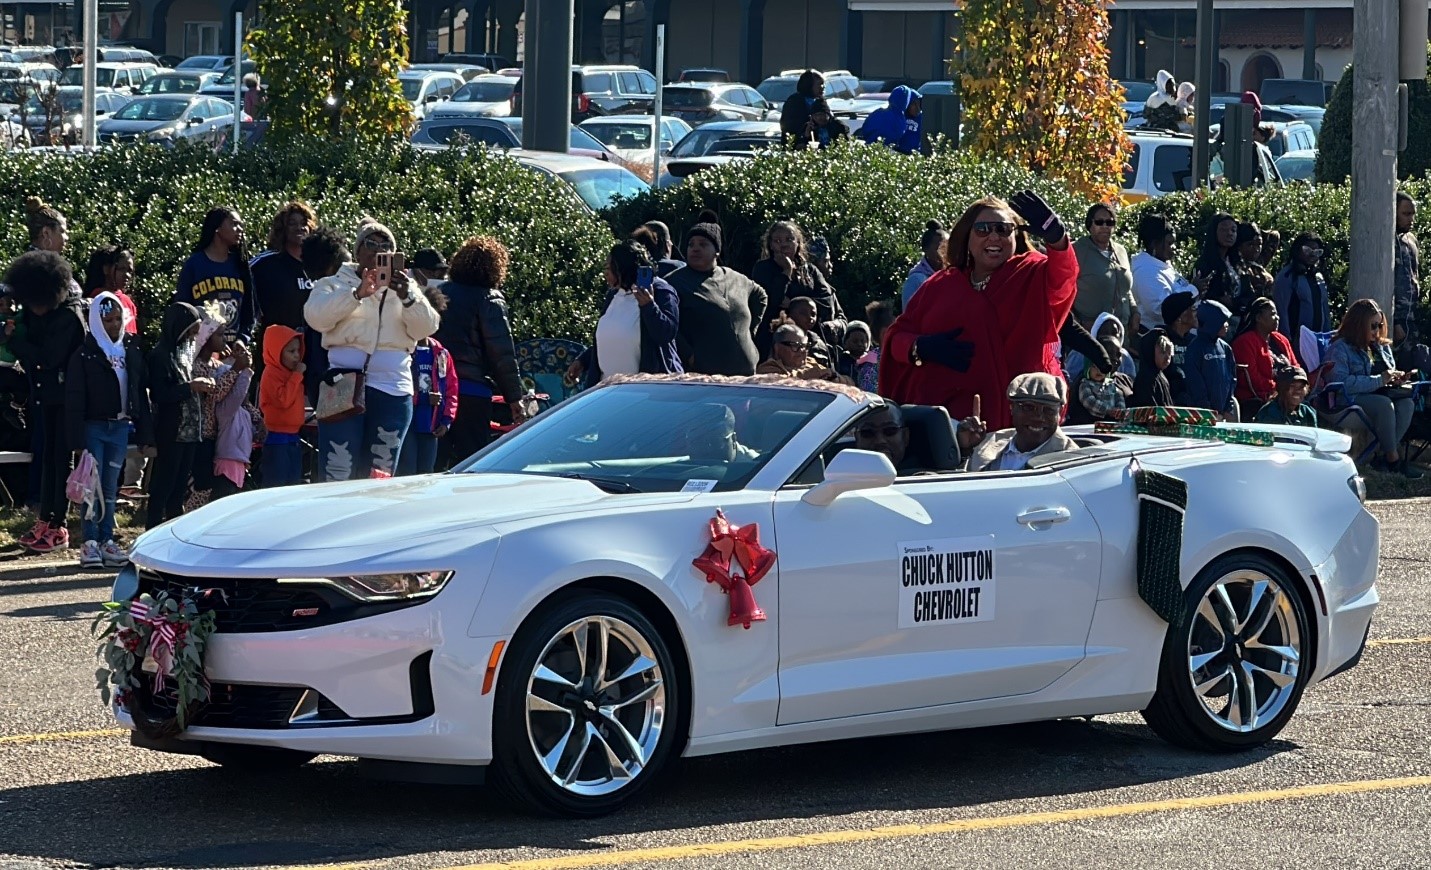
777,90
170,85
451,133
599,186
68,101
11,92
579,138
1296,168
688,98
74,75
1137,91
198,62
152,110
629,136
699,142
484,92
657,437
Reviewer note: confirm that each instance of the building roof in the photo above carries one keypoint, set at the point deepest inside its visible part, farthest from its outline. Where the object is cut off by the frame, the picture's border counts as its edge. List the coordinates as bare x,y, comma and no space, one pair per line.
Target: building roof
1284,29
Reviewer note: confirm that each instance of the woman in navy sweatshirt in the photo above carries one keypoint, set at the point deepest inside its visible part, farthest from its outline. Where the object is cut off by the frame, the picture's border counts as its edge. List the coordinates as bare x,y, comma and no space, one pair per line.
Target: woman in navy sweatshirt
218,271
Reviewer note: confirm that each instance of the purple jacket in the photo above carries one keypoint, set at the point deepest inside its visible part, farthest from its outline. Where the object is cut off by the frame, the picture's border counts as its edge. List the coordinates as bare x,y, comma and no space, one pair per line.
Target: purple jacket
235,439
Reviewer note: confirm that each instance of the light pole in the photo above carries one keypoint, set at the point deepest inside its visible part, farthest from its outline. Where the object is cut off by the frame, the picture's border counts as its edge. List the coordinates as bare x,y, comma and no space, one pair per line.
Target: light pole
546,75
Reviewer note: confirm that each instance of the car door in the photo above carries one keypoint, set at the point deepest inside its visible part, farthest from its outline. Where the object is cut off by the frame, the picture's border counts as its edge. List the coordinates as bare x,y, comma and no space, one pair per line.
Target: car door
937,590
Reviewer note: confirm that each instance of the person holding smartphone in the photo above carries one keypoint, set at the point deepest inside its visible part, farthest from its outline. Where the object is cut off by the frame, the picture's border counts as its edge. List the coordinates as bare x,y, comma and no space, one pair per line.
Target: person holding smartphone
639,321
371,316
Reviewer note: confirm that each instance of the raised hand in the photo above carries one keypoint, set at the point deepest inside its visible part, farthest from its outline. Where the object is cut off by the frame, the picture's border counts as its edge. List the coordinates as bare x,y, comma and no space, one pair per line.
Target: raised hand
1042,220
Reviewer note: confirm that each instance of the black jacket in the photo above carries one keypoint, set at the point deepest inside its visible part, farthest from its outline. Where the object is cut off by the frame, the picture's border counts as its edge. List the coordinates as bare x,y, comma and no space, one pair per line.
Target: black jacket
45,348
92,392
807,281
168,380
475,331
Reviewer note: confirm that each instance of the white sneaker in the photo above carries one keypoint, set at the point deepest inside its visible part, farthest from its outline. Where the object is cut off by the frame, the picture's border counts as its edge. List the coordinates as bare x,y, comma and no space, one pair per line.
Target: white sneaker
90,555
113,555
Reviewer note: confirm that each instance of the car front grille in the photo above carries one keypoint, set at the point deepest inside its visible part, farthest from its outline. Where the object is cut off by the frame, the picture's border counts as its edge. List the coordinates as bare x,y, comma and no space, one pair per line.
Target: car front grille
250,605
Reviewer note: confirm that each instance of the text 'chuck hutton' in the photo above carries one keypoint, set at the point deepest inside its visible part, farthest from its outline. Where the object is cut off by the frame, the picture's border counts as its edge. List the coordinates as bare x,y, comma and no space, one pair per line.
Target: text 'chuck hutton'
937,569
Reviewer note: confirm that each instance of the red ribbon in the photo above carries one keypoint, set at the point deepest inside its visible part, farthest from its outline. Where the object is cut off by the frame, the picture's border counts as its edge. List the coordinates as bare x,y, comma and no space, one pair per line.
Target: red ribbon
161,639
731,547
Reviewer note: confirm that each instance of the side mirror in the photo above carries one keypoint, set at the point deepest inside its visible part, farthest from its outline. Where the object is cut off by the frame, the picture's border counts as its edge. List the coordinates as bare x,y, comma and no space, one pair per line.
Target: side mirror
194,122
430,98
849,471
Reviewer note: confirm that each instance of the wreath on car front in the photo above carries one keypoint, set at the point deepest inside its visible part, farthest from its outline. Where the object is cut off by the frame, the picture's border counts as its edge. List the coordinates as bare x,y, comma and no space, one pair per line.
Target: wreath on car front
150,646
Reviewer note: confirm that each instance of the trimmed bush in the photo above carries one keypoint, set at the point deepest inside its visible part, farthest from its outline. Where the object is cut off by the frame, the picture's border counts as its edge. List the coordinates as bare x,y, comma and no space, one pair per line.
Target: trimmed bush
1334,145
870,203
154,199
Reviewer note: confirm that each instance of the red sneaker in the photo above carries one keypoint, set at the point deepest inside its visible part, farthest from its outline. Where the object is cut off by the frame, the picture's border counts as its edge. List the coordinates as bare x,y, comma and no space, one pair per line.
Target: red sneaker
54,538
36,532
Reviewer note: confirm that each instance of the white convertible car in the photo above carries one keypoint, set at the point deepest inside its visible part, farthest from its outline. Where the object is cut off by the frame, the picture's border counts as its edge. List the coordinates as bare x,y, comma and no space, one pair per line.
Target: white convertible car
536,618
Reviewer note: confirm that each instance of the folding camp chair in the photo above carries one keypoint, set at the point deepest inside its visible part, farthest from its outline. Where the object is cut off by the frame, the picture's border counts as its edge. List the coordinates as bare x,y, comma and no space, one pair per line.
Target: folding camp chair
543,363
1329,399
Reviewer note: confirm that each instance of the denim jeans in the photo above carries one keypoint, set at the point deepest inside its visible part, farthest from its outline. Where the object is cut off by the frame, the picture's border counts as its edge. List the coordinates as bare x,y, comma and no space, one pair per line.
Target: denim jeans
419,453
368,444
281,464
108,442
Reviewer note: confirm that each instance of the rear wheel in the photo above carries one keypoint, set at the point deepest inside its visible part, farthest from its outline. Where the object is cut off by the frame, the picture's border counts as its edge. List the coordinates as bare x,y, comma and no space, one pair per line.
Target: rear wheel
1234,666
588,707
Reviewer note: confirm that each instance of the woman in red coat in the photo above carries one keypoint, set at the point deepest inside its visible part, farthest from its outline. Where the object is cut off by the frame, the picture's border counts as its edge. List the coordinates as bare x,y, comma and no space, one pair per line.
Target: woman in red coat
993,313
1262,350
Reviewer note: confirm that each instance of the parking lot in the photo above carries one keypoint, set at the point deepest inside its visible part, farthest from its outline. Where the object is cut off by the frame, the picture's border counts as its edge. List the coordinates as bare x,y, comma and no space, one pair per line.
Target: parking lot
1346,785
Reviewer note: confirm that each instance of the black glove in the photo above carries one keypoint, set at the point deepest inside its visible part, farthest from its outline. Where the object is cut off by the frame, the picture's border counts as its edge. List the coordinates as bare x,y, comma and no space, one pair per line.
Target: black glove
945,349
1040,216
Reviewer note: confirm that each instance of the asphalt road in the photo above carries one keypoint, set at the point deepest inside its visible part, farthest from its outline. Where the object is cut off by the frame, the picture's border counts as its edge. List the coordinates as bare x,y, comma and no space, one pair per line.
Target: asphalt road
1345,786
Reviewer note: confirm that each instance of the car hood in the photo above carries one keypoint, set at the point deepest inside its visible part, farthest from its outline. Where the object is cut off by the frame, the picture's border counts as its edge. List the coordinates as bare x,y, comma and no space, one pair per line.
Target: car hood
371,514
116,126
498,109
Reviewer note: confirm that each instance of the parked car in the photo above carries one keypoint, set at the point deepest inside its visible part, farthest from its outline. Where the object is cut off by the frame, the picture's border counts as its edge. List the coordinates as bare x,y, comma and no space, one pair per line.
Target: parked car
493,62
604,90
63,126
1136,90
124,77
1292,136
1310,115
1297,165
704,74
700,141
223,86
169,118
675,171
44,73
572,563
1301,92
698,104
944,86
466,71
502,133
1160,163
630,136
207,62
484,96
178,82
597,183
839,85
423,89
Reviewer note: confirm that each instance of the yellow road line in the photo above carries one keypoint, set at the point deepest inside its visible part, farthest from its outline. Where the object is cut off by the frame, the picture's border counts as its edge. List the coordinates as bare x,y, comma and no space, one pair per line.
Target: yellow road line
61,735
1397,641
989,823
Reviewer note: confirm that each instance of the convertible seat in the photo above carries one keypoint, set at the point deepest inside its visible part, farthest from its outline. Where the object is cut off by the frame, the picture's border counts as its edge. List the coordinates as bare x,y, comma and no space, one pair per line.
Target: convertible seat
932,444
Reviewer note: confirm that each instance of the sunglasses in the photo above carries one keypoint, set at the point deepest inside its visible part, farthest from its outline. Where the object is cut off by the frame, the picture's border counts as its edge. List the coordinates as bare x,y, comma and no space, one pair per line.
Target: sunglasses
889,431
1105,222
380,245
796,345
1037,408
1004,229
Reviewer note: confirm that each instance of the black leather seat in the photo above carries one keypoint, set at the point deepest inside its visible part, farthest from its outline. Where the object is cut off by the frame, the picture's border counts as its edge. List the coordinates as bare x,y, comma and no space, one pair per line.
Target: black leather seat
932,442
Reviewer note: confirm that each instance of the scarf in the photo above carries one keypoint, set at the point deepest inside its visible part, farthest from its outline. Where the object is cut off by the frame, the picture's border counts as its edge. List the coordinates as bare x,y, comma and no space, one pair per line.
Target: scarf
113,350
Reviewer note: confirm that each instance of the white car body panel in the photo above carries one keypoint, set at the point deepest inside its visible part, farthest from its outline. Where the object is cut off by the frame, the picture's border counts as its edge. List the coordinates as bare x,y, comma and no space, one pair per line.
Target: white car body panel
1068,634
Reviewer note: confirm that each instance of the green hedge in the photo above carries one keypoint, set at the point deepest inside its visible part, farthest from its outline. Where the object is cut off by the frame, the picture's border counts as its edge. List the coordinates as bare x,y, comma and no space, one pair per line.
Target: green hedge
154,199
1334,144
871,204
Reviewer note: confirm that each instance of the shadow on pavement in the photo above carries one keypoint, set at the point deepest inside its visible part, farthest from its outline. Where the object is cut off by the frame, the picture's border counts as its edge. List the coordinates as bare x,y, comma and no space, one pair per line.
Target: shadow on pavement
326,812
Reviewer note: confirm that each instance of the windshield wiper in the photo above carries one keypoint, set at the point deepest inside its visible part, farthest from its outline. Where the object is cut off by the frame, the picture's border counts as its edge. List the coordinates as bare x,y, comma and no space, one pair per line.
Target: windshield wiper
608,484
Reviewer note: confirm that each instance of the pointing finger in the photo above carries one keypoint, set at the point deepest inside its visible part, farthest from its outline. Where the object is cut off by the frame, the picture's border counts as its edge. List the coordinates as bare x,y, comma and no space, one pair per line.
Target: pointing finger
978,405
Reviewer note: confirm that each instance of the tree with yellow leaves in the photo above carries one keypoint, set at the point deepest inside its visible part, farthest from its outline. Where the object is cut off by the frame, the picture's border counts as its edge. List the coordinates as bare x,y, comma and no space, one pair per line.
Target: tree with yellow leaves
331,68
1033,79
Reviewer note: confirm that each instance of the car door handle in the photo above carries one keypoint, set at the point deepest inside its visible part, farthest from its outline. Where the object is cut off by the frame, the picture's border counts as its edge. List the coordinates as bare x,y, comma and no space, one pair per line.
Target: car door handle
1045,516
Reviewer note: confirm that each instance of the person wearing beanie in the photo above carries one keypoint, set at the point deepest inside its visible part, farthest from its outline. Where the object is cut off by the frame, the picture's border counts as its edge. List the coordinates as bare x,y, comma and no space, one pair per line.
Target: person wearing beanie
1179,315
1154,278
720,308
1209,372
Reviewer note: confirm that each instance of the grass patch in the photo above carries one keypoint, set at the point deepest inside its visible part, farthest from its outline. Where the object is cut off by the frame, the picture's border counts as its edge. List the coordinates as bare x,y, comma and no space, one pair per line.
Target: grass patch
14,522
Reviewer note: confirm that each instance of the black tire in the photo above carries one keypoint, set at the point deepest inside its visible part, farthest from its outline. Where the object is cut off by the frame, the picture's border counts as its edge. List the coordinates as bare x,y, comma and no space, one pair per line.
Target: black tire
255,759
516,771
1177,712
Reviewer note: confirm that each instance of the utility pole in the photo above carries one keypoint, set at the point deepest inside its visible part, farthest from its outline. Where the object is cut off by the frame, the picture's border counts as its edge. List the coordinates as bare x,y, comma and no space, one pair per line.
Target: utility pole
546,75
1375,53
89,135
1202,100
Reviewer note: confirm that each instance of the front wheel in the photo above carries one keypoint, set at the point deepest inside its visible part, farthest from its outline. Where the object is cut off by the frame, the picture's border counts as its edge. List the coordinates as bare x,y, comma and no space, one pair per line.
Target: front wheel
588,706
1234,666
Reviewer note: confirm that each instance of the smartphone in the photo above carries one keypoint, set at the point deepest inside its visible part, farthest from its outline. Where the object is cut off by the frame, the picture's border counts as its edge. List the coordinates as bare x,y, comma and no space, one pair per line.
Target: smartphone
399,262
645,277
384,269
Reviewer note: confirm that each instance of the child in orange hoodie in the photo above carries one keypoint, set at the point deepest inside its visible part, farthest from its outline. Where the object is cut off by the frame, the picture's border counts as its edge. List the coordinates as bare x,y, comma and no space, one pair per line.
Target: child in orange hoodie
280,398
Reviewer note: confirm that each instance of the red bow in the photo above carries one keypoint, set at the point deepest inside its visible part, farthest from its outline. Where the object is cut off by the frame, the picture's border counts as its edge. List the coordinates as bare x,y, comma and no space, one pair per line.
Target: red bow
732,546
162,637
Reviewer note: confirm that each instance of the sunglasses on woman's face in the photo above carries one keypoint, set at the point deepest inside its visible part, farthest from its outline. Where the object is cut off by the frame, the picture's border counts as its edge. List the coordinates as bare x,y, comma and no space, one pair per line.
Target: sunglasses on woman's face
796,345
1004,229
1105,222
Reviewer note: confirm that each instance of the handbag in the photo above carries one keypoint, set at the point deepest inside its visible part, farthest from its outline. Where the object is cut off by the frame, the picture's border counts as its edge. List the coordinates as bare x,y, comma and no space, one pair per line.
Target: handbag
83,488
342,392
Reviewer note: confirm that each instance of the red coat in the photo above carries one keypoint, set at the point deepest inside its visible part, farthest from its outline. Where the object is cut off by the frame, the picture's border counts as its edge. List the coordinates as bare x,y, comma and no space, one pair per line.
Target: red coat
1249,349
1013,324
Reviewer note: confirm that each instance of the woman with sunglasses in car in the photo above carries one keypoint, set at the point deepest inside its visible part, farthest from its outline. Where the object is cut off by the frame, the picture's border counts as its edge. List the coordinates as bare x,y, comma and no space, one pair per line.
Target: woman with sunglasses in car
993,313
1105,275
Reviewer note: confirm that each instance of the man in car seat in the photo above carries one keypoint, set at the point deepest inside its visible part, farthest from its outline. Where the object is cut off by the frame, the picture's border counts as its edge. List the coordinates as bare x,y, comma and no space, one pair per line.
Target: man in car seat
883,431
1036,403
711,438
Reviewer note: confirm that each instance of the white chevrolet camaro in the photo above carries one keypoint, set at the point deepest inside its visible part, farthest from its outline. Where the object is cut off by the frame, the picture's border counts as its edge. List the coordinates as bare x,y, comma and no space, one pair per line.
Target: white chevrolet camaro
538,618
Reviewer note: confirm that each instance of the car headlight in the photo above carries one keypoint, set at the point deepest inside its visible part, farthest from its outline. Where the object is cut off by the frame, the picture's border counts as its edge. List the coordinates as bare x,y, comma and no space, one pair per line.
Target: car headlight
162,133
1358,486
381,587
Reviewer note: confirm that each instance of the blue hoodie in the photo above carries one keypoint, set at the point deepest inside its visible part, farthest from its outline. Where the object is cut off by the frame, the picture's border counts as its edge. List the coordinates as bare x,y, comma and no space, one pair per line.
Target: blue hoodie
889,125
1210,374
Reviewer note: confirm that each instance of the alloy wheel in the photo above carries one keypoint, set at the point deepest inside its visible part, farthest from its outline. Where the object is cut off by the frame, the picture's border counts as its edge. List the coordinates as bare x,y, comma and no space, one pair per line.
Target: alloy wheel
1244,650
595,706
